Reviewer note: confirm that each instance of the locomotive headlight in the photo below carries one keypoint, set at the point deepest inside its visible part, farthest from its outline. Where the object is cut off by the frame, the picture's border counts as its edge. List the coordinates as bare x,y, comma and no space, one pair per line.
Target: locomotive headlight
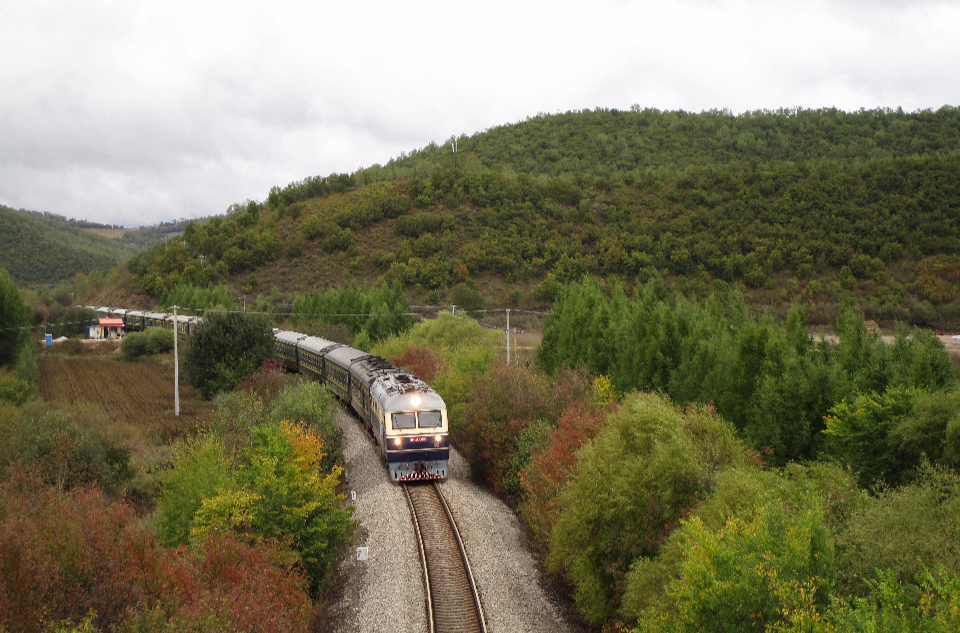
398,442
415,400
437,438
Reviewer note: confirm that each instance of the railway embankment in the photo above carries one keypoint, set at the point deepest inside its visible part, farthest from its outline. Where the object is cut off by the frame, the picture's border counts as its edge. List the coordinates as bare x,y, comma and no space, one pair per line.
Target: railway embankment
386,592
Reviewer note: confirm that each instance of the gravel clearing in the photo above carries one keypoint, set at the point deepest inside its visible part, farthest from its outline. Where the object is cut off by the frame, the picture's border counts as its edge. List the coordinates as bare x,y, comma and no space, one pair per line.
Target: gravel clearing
385,592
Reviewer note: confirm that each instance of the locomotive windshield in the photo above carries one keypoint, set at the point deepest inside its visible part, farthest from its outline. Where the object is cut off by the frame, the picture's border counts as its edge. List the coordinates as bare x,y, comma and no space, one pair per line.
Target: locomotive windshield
430,419
404,420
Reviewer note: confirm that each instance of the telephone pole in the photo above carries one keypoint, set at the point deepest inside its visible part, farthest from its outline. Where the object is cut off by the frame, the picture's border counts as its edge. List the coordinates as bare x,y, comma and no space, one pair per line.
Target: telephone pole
508,336
176,364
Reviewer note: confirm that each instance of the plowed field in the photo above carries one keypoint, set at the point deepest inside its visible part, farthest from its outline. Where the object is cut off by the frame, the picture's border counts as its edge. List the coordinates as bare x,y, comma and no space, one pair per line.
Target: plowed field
137,393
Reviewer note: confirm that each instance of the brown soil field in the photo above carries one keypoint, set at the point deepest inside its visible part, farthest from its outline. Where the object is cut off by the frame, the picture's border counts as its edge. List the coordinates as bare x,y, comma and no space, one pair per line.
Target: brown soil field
116,233
140,393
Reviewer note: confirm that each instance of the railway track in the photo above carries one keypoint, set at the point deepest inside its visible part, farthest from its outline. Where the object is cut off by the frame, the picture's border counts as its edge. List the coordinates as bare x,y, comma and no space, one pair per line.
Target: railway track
453,604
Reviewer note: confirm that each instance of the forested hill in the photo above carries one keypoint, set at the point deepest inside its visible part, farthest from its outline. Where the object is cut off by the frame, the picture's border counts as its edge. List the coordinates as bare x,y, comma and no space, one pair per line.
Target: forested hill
801,206
606,142
47,248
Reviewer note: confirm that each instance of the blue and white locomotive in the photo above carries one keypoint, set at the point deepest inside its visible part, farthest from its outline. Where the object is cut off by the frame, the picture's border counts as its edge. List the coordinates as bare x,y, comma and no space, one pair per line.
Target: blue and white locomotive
405,416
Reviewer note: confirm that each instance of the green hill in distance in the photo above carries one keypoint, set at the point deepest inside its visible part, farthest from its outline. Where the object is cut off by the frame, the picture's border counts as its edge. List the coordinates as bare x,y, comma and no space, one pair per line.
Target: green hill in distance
794,206
47,248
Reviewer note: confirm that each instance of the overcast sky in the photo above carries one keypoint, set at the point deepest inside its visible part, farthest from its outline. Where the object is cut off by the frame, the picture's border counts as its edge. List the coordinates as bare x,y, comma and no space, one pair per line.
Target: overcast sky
132,112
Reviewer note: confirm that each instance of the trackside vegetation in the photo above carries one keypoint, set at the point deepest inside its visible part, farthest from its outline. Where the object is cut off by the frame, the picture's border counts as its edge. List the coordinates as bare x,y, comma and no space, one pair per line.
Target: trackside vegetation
117,516
226,348
770,379
671,504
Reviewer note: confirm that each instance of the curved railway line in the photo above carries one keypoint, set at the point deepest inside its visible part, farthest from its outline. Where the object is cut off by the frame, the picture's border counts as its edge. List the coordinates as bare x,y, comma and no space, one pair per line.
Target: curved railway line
453,604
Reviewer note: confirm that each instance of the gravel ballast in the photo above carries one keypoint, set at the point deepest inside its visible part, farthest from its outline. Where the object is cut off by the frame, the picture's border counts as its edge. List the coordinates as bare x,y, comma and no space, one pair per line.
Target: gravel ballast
385,592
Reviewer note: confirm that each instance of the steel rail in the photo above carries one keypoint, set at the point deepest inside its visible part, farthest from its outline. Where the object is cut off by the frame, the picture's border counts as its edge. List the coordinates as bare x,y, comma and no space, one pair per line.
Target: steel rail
431,626
453,602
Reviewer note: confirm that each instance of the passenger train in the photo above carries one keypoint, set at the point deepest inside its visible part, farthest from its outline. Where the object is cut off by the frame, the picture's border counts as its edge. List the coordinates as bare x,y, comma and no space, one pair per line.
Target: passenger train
406,417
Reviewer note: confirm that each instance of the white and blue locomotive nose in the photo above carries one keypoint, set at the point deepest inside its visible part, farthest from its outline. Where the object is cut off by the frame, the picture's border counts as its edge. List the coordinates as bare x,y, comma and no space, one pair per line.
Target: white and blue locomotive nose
419,457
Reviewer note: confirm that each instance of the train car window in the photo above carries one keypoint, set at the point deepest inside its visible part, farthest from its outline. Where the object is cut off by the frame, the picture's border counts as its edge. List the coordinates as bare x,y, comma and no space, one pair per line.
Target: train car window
404,420
430,419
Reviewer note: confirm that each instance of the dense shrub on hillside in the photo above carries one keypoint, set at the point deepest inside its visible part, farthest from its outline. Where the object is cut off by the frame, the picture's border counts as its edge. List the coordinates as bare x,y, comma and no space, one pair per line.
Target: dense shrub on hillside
46,248
311,404
73,557
61,450
604,141
884,437
13,318
224,349
649,466
902,532
280,492
758,553
552,463
153,340
377,312
194,299
769,378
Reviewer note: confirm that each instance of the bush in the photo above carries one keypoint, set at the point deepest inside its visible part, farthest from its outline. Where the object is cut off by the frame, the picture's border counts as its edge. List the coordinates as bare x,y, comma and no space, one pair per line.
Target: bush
153,340
902,532
419,361
649,466
747,503
200,471
504,403
60,451
551,465
14,317
750,575
282,495
26,364
931,606
467,348
224,349
77,558
467,296
14,390
857,434
312,404
268,382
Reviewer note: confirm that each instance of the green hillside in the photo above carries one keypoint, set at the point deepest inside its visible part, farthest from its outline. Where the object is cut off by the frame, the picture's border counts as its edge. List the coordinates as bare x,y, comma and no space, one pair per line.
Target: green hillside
796,206
46,248
605,142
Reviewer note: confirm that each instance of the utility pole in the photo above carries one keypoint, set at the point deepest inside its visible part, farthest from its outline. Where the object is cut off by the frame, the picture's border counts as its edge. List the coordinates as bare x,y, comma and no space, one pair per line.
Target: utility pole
176,364
508,336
